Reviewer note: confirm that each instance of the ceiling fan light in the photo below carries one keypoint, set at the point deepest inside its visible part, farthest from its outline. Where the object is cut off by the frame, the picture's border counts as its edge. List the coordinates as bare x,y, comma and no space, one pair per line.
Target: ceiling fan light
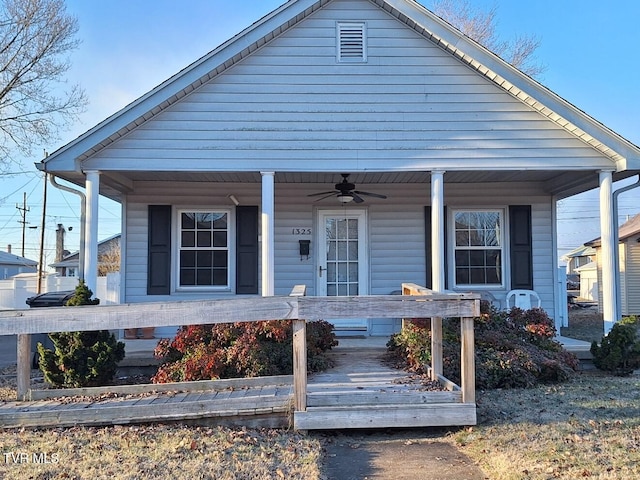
344,198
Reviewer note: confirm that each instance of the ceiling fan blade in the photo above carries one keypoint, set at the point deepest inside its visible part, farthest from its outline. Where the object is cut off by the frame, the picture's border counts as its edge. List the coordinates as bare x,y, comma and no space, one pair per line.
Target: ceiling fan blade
326,196
369,194
356,198
322,193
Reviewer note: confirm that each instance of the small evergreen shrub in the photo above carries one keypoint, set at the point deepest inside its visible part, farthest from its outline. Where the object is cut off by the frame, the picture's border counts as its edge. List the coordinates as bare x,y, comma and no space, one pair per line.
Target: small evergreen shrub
619,350
81,359
512,349
236,350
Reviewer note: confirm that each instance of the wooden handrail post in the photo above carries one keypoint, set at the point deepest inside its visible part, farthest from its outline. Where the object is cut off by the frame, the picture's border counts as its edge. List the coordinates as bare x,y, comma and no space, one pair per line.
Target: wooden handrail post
300,365
436,348
23,360
467,359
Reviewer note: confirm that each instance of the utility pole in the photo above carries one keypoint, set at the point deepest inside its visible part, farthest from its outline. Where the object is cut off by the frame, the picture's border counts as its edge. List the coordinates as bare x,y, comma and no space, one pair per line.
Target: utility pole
23,213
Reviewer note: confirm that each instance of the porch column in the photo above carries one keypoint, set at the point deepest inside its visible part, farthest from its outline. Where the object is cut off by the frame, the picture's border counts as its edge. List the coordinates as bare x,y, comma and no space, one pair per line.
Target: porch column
437,231
267,227
437,265
92,187
609,251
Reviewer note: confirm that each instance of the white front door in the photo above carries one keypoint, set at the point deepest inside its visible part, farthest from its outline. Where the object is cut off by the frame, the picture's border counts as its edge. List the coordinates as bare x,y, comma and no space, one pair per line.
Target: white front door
342,259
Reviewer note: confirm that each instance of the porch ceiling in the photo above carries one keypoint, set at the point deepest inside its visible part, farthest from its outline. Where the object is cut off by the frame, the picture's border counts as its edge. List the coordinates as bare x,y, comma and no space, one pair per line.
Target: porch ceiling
113,184
323,177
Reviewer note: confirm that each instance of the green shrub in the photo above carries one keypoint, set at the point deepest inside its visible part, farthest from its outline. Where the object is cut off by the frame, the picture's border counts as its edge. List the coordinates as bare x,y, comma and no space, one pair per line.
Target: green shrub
619,350
512,349
204,352
81,359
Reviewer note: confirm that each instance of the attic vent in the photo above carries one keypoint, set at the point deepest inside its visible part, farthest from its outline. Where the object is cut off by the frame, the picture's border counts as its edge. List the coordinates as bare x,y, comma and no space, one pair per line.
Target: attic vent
352,42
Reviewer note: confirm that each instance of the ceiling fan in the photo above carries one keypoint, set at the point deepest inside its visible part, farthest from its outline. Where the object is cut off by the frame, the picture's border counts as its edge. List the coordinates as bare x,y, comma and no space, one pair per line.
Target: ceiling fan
345,192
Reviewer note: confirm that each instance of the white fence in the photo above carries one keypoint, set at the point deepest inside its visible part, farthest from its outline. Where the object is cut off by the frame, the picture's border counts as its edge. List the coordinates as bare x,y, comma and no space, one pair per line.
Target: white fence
15,291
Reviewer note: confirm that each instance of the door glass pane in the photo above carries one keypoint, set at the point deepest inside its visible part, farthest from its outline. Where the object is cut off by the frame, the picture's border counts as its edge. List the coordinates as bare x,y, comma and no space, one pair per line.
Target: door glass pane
331,250
353,251
353,272
353,228
342,272
342,229
342,251
331,272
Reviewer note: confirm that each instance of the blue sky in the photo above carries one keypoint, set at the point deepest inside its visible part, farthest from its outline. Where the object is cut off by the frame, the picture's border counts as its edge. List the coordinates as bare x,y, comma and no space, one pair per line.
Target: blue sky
129,47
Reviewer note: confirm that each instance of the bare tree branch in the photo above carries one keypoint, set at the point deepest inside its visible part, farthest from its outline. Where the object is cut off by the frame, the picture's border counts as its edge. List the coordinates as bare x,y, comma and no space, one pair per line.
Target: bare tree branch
36,37
480,25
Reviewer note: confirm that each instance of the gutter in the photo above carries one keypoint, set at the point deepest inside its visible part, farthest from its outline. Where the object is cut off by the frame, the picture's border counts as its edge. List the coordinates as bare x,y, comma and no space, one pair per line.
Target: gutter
83,215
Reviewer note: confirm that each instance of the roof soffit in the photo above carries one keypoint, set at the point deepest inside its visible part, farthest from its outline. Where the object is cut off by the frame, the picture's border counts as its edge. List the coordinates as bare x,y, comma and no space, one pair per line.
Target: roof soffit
409,12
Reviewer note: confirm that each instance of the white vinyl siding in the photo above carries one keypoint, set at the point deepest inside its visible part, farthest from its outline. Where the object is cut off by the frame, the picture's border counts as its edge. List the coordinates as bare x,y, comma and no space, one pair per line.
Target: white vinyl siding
633,276
289,106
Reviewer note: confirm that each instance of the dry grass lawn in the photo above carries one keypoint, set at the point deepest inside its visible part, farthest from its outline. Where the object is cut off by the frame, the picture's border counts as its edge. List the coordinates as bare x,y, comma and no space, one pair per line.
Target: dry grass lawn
586,428
158,452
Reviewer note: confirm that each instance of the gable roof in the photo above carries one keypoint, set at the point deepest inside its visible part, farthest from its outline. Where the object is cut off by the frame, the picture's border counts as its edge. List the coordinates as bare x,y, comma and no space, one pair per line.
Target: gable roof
581,251
628,229
72,259
69,157
11,259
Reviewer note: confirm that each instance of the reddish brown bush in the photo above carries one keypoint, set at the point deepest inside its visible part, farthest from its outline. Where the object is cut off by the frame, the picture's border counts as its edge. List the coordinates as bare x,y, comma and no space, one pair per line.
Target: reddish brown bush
203,352
512,349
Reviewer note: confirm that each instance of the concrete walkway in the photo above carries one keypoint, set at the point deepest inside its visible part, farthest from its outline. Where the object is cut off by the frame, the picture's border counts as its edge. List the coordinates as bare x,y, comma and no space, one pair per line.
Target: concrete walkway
390,454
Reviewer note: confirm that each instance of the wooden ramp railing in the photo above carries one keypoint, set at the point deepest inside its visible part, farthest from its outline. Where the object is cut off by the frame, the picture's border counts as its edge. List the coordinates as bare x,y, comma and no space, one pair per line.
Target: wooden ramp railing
416,303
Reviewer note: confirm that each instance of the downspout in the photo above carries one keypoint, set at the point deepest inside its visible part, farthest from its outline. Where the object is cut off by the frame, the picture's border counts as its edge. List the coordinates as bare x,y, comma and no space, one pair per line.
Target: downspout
83,210
616,240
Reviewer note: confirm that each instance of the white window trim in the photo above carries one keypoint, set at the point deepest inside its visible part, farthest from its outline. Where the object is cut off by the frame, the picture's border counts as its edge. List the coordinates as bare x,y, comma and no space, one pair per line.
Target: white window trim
175,250
351,25
504,238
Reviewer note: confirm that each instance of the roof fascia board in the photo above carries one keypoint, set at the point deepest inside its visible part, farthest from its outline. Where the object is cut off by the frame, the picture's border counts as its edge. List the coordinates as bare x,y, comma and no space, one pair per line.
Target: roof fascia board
176,84
468,50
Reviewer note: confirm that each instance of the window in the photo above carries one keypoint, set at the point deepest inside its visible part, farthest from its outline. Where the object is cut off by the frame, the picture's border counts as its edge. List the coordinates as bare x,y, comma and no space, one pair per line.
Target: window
478,255
203,258
351,42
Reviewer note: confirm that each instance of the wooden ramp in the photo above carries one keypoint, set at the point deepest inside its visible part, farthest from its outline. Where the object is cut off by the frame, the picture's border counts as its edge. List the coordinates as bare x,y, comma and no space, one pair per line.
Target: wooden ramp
363,392
264,401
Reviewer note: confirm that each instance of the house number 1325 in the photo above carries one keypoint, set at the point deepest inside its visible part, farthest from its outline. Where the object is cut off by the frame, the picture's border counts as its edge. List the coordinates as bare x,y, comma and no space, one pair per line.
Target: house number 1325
300,231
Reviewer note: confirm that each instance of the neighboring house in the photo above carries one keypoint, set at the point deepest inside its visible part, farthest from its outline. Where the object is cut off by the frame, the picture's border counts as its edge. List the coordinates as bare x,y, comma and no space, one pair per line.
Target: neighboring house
588,281
11,265
108,259
578,257
629,266
214,168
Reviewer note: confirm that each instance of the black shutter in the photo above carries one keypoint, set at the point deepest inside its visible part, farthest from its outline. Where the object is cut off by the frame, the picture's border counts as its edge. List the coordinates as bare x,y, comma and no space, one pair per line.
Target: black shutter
521,247
159,252
429,246
246,250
